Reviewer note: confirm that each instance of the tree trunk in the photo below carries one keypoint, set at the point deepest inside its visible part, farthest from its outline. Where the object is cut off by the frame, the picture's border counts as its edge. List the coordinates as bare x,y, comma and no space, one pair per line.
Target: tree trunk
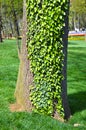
11,27
64,82
75,21
16,26
0,26
25,77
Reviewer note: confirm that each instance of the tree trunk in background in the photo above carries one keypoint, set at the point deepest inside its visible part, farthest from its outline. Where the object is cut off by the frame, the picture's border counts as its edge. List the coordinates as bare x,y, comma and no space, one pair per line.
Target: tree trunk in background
0,25
25,77
75,21
11,28
64,82
16,26
0,30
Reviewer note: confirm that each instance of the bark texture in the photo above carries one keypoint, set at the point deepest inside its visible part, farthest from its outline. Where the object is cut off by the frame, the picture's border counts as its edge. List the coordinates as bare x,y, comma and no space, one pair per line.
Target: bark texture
0,26
64,82
25,77
16,26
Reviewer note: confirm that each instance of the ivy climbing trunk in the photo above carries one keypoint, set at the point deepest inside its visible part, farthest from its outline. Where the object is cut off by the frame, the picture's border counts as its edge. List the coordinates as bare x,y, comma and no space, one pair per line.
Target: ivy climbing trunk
25,77
47,42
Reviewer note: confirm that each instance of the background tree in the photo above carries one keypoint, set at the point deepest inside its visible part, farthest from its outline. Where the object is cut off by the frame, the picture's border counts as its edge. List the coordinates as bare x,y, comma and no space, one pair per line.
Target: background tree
12,17
77,14
0,22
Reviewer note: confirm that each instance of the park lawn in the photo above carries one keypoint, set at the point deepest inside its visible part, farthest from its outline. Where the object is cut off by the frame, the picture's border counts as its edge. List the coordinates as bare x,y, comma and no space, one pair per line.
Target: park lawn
77,81
9,63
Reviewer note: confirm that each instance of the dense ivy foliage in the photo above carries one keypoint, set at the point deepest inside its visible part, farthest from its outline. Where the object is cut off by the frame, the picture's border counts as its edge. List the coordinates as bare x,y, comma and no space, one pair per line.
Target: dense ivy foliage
45,30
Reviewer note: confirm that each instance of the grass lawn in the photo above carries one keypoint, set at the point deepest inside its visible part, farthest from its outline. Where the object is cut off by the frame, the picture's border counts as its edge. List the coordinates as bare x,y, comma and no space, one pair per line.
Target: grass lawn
31,121
77,81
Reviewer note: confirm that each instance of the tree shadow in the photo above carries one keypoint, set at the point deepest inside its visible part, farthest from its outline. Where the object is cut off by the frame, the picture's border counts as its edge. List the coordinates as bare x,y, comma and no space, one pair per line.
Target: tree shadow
77,101
72,43
77,80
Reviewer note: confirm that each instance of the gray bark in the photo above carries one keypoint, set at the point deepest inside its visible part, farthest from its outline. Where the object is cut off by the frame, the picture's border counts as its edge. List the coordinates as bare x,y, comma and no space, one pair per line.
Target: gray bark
64,82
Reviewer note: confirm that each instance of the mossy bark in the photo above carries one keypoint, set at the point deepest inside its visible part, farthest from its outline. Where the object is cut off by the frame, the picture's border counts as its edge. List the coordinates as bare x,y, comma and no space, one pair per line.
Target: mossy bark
22,88
25,77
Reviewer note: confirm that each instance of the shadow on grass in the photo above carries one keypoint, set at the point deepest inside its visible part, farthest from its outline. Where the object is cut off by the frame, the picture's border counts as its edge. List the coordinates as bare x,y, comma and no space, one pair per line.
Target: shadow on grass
77,79
77,68
77,102
72,43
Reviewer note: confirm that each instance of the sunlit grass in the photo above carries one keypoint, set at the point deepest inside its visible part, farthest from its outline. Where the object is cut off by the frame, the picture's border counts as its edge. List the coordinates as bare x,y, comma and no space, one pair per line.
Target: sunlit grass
77,81
9,63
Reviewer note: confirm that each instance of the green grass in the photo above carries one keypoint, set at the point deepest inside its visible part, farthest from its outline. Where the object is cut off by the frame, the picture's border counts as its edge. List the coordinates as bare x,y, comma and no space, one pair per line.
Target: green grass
31,121
77,81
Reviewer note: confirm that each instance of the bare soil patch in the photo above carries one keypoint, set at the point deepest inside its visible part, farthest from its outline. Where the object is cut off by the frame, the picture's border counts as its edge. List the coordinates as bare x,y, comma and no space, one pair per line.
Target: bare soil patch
16,108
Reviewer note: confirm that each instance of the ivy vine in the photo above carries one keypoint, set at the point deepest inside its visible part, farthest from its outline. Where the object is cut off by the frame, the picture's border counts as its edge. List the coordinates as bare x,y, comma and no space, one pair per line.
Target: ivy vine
45,51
